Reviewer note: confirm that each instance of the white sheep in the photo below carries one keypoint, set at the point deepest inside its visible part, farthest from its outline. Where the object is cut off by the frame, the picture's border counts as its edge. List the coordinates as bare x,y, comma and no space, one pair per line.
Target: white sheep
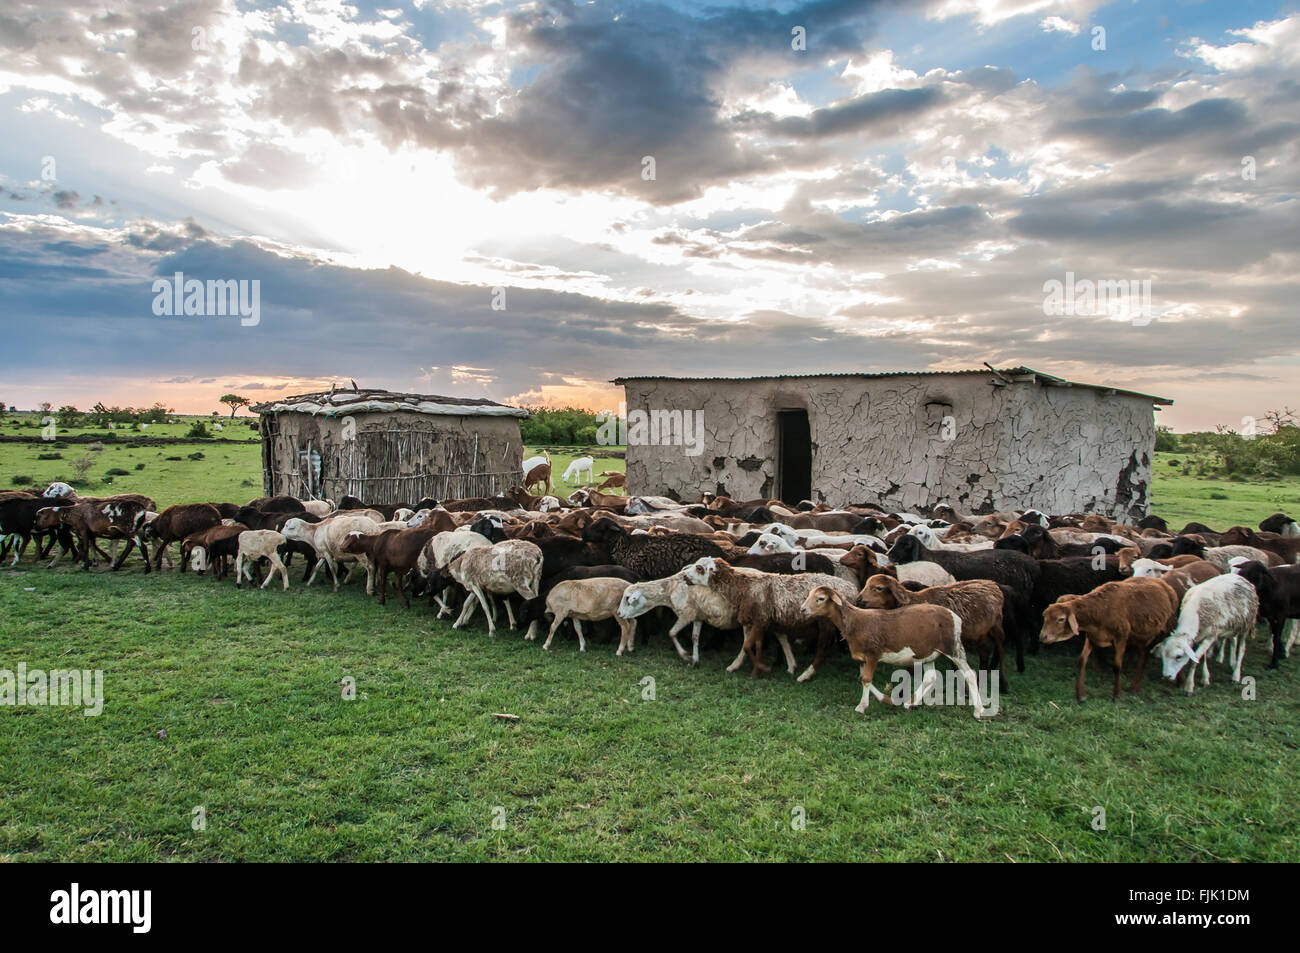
255,544
1221,610
694,606
590,600
513,566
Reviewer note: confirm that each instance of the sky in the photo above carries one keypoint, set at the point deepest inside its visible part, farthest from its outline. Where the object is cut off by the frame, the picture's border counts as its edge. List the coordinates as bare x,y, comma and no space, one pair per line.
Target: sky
525,200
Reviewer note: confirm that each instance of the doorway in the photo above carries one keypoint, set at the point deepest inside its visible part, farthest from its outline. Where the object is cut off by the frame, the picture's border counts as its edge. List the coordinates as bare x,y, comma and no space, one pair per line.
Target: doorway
793,456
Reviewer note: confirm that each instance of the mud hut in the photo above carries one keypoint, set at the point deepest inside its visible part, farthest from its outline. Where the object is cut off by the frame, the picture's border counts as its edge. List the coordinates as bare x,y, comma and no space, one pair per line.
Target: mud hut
980,440
386,447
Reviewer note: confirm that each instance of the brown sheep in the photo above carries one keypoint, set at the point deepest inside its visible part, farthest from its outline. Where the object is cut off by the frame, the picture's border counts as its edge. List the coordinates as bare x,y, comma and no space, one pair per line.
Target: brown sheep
1138,611
977,602
904,636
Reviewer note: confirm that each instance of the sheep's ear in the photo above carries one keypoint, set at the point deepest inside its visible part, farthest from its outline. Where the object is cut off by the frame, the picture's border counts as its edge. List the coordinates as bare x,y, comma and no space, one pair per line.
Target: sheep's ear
1074,623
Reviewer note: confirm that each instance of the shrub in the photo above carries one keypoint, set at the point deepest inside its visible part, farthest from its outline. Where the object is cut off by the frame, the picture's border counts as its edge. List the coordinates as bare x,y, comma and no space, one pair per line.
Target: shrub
49,456
97,447
21,480
174,458
1218,495
139,466
197,429
82,466
196,455
118,471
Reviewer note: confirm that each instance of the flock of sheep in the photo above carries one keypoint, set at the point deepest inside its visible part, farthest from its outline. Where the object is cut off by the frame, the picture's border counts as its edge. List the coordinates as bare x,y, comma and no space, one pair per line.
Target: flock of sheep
898,588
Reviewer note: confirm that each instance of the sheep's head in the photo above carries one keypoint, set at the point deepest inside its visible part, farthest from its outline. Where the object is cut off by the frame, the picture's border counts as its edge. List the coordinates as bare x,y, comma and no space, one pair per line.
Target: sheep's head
1148,568
354,543
295,529
879,593
821,600
908,549
1174,652
1059,623
701,572
770,543
633,603
47,517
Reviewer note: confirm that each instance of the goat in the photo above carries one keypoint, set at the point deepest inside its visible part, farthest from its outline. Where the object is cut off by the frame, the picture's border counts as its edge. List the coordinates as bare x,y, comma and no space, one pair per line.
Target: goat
579,466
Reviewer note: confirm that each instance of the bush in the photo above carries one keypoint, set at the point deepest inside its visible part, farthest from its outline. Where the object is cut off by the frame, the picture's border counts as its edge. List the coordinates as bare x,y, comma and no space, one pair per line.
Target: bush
1218,495
21,480
96,447
49,456
196,455
139,466
118,471
198,429
174,458
82,466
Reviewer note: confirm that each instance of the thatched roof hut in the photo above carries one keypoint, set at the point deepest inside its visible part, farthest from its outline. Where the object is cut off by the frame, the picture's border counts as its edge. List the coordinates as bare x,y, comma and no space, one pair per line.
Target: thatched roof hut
386,447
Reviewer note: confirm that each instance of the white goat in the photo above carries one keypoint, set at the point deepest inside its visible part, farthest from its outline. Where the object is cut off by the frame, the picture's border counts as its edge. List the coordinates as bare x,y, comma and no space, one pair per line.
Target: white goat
579,466
1221,609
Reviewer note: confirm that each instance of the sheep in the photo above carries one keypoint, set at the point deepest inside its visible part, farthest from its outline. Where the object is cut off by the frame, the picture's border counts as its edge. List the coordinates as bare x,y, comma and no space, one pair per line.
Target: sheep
1281,524
1181,578
437,554
1138,611
763,601
255,544
395,549
579,466
612,481
1221,609
514,566
1278,588
932,541
864,564
977,602
653,557
212,547
327,538
693,605
318,507
533,610
907,635
175,523
590,600
56,489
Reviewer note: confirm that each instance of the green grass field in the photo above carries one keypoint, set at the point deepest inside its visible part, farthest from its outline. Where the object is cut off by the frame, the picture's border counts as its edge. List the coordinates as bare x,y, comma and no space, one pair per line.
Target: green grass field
246,687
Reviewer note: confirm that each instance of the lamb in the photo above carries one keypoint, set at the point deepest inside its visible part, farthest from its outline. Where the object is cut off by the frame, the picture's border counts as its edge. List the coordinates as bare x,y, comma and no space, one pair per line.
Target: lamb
537,472
579,466
255,544
395,550
514,566
931,540
612,481
907,635
1278,523
533,610
1137,611
694,606
977,602
1221,609
763,601
212,547
590,600
864,564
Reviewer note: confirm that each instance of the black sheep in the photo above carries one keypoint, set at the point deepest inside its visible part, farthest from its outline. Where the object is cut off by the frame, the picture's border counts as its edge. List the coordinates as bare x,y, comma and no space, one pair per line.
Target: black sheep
653,556
1279,598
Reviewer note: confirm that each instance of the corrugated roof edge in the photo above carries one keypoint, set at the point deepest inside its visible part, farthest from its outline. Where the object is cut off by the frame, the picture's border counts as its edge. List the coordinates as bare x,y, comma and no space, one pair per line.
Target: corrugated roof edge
1048,379
370,400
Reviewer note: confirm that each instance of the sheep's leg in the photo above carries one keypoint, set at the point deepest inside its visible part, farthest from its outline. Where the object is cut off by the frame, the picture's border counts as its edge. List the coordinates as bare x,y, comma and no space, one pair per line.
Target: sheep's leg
1142,669
866,674
510,614
582,642
627,635
466,611
930,673
1205,672
1292,627
277,566
1240,656
754,648
1279,653
740,658
1118,666
559,618
695,642
1080,693
531,634
484,598
825,637
972,686
239,571
672,634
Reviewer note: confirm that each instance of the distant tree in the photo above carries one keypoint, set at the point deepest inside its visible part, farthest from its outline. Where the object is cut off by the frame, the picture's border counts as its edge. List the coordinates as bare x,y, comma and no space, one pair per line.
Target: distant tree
235,402
45,406
68,416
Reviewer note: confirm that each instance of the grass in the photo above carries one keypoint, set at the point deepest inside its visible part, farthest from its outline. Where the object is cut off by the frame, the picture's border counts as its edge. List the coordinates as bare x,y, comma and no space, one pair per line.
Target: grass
1215,501
246,686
